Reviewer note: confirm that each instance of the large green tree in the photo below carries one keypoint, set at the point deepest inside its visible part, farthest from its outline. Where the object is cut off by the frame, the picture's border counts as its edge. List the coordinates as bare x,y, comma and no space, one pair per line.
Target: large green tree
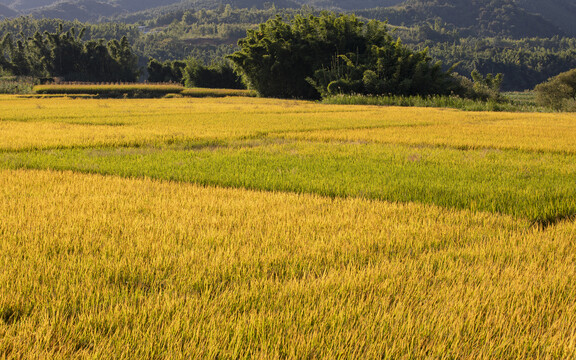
310,56
64,54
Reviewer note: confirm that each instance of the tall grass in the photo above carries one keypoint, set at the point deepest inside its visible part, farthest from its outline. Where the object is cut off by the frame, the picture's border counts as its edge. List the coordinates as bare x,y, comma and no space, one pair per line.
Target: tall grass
535,186
438,101
16,85
62,122
135,90
110,90
206,92
104,267
250,228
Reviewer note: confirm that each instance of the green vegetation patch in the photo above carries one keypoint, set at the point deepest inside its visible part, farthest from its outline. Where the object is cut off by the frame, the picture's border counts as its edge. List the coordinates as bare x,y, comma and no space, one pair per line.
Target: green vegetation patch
205,92
514,103
16,85
110,90
531,185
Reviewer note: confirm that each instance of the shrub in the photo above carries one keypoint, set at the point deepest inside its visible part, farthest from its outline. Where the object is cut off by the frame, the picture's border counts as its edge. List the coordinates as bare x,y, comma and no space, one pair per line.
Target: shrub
215,76
558,92
16,85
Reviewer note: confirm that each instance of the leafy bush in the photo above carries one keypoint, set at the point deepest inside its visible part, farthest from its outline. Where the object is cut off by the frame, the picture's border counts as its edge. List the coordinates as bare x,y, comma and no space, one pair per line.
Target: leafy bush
215,76
558,92
487,87
441,101
168,71
16,85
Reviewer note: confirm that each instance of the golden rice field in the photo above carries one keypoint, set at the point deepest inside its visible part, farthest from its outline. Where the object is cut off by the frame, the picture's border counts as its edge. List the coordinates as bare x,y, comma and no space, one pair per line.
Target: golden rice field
248,228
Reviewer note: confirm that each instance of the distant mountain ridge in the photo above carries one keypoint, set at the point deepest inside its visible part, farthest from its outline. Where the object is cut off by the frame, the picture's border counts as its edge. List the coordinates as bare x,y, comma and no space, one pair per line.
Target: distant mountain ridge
560,12
6,12
479,17
514,18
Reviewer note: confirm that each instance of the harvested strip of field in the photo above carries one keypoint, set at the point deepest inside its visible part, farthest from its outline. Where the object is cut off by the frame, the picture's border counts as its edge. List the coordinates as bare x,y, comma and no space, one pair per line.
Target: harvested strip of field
538,187
107,267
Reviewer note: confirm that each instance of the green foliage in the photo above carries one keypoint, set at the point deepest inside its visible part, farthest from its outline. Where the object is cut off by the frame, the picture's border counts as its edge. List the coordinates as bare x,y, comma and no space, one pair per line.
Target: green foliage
439,101
487,87
16,85
477,18
524,63
449,177
64,54
558,92
110,90
313,56
168,71
216,76
449,31
214,92
278,57
28,26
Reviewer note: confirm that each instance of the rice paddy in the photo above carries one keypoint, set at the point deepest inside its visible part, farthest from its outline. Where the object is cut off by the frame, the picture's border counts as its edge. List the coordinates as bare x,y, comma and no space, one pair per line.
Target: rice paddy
254,228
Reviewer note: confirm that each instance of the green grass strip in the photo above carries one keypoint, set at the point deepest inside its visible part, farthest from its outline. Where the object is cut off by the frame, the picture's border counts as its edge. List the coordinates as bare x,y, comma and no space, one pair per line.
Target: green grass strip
512,104
109,90
536,186
206,92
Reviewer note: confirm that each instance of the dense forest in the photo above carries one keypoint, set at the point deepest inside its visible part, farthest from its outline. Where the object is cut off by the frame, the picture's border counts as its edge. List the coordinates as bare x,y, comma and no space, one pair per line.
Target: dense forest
63,54
527,41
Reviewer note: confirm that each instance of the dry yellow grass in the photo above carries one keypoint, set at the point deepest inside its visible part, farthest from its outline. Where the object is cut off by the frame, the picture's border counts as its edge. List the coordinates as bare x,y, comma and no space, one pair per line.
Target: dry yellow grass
104,267
51,123
108,267
453,128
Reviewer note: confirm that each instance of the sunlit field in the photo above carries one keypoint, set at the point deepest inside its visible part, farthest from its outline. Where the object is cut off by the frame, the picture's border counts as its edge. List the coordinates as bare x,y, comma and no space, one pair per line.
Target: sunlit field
270,229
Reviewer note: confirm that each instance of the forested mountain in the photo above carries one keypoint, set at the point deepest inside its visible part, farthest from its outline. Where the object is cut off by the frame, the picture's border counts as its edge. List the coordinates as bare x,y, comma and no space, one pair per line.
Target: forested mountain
527,40
474,17
83,10
561,12
350,4
134,5
6,12
514,18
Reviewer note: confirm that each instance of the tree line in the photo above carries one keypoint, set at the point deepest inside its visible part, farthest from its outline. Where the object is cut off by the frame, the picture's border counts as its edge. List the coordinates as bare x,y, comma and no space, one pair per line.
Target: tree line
194,73
66,55
211,35
306,56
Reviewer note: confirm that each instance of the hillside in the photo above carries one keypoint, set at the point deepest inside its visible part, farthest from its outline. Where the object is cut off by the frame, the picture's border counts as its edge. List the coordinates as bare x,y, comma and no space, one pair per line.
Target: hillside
472,17
350,5
6,12
512,18
561,12
27,4
96,10
83,10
